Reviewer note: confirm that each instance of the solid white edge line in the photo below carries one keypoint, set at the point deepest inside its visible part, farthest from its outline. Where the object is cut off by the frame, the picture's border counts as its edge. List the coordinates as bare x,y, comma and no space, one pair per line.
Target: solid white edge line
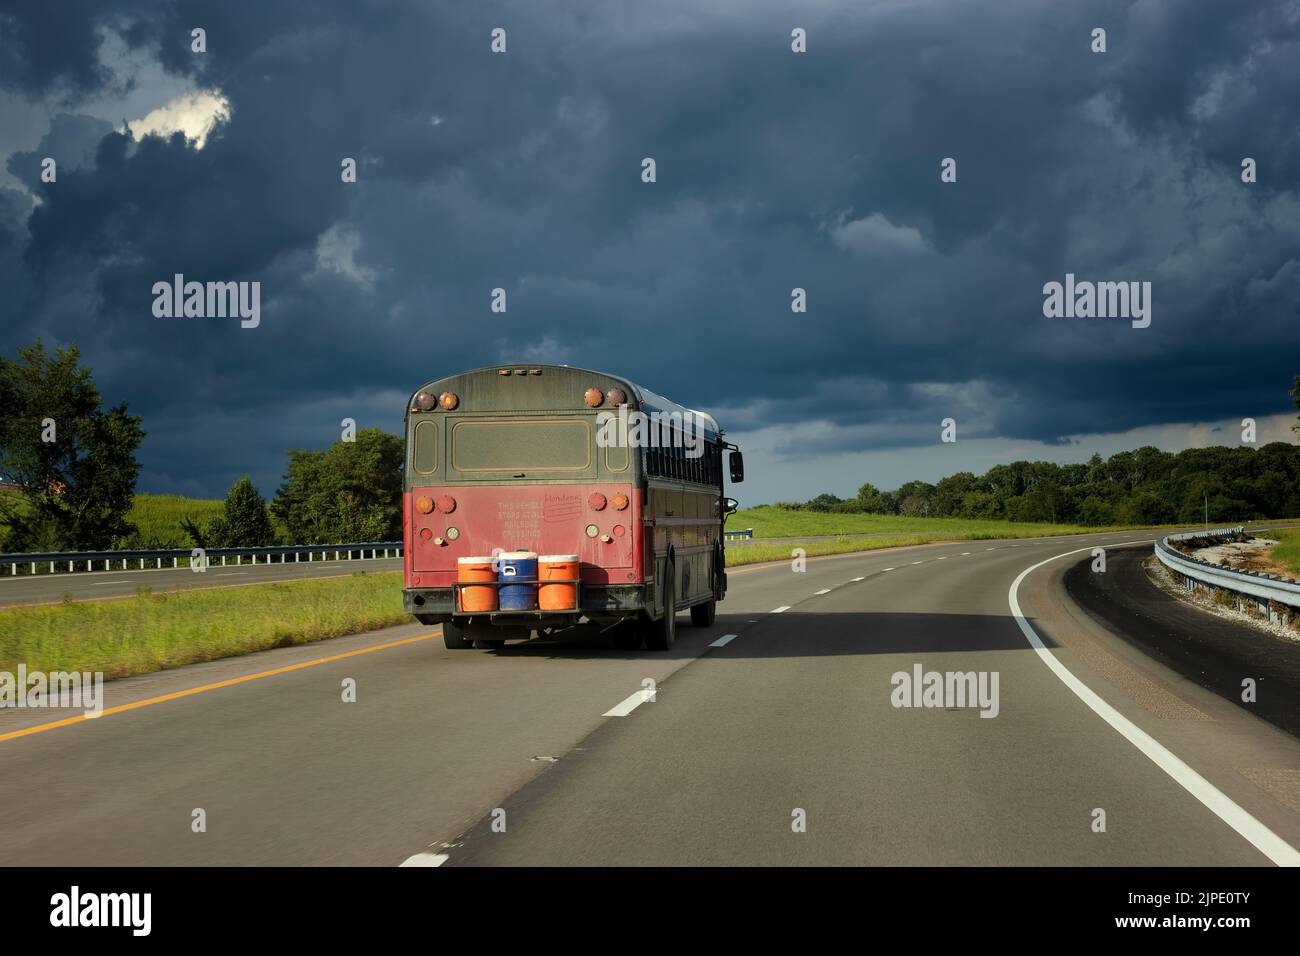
822,591
1258,835
425,859
723,641
623,708
779,610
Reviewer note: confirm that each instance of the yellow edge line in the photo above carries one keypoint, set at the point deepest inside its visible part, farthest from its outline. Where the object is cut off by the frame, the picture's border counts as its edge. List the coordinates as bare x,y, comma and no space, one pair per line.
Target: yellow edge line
202,688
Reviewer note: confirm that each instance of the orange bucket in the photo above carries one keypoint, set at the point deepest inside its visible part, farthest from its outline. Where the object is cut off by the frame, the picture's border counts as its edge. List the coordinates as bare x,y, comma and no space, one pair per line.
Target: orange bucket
554,568
476,598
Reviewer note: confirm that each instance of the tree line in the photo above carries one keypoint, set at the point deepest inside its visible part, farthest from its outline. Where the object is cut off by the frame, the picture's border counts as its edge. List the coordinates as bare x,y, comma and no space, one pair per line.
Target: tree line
71,464
1145,486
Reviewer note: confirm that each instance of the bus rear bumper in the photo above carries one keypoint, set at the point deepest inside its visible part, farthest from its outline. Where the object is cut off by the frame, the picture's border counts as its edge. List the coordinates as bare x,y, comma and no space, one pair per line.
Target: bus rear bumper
599,603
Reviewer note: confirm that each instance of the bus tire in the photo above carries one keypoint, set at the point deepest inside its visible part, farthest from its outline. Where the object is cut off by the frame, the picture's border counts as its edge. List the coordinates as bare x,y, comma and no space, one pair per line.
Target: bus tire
453,636
660,634
703,615
626,636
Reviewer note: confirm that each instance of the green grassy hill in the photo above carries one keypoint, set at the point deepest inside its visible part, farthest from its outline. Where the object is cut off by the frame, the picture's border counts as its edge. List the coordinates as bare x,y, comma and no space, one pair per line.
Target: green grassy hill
770,522
158,518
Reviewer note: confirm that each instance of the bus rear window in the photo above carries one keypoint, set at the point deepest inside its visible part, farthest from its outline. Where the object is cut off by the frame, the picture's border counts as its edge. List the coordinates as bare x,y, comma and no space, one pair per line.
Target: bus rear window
521,446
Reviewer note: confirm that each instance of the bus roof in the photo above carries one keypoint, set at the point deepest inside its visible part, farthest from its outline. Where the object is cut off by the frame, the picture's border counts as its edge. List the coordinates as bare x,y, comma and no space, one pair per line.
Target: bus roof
646,400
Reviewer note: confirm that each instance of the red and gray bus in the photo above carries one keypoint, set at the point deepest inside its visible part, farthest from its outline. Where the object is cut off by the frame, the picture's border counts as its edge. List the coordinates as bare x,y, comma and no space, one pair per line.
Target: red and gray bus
547,460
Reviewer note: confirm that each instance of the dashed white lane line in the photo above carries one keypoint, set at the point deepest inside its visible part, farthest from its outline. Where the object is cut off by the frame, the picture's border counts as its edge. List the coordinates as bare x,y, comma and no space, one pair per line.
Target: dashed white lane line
822,591
627,706
723,641
890,569
781,609
990,549
1260,836
863,579
943,557
425,859
918,562
965,554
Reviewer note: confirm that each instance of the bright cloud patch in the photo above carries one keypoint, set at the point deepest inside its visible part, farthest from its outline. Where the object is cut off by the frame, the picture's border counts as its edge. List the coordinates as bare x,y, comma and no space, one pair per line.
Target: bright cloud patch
874,234
336,252
194,114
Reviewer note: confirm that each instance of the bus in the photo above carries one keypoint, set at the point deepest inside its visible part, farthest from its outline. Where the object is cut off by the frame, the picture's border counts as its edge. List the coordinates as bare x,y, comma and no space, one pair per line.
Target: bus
513,460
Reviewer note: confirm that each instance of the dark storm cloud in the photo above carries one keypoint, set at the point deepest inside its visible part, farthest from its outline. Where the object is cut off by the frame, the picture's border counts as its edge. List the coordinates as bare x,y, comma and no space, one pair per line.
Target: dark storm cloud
818,171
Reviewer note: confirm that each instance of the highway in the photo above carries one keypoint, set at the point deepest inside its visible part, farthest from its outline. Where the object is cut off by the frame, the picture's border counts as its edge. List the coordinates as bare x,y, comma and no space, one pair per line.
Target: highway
772,738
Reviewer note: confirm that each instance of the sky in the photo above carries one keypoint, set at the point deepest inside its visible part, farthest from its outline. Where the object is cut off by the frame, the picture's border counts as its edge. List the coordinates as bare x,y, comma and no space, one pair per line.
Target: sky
774,170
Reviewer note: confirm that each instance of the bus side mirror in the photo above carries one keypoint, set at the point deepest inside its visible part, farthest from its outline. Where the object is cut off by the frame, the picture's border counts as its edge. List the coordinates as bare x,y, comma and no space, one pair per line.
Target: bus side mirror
737,461
730,505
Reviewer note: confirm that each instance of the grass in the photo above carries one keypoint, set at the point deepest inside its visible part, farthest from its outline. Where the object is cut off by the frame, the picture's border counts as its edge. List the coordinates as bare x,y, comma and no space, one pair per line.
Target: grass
770,522
743,552
158,518
156,631
1287,550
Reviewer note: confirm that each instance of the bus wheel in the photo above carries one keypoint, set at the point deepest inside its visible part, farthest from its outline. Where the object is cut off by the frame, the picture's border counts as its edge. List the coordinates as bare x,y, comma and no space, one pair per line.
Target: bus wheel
702,615
453,636
626,636
659,635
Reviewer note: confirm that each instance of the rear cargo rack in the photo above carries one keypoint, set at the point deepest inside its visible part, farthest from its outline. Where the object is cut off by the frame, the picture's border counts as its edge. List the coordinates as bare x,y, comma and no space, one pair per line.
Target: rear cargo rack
575,611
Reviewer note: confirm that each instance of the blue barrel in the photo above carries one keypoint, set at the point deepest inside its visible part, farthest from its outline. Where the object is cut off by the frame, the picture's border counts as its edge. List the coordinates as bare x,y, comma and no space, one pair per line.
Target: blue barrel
518,572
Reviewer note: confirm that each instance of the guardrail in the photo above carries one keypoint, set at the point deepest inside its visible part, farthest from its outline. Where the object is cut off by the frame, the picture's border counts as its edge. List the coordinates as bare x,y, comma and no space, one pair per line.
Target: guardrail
738,534
82,561
1266,589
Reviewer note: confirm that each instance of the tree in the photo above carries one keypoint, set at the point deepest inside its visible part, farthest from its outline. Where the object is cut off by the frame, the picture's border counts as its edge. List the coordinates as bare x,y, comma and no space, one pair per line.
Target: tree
823,502
350,492
244,521
73,460
1295,396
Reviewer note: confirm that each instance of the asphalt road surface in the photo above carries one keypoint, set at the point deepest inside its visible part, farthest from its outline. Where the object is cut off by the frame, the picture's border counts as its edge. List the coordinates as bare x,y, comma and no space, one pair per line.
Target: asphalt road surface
778,745
1214,651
